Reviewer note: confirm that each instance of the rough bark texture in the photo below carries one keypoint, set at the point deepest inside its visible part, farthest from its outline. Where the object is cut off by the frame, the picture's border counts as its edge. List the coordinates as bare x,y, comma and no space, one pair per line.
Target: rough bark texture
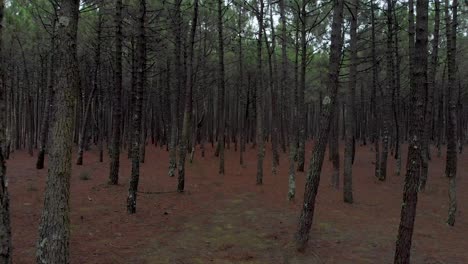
451,164
292,106
318,152
188,105
221,113
430,95
350,111
54,228
137,111
48,103
416,132
259,99
116,98
5,228
175,89
375,126
386,92
301,90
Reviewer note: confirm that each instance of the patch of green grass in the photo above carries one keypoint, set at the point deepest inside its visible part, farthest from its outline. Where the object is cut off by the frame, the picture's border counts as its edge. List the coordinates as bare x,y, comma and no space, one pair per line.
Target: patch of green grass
85,176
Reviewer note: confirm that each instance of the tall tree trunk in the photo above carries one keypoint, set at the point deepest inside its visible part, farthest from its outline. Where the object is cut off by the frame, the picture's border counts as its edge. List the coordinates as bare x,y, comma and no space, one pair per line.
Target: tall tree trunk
386,99
221,114
375,126
410,191
259,99
451,164
44,129
175,88
188,104
54,228
5,228
350,111
301,89
318,152
116,98
137,111
430,98
292,105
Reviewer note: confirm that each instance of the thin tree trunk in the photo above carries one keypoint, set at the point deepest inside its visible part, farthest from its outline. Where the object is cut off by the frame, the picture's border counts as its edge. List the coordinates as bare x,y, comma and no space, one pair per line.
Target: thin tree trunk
116,98
451,164
137,112
430,95
259,99
221,114
350,111
188,104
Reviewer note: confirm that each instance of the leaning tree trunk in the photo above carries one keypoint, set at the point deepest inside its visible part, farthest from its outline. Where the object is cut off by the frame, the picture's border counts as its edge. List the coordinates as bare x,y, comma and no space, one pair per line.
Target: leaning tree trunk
137,111
318,152
186,127
54,228
410,191
116,98
451,164
350,111
5,229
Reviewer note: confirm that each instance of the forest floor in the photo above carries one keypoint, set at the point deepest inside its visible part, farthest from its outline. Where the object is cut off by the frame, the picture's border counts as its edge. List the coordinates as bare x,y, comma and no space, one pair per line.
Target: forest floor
229,219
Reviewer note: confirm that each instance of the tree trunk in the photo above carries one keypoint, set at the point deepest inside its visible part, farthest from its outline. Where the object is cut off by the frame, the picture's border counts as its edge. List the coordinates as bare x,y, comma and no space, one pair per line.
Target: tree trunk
410,191
48,102
430,96
375,126
318,152
188,104
137,112
175,89
259,99
451,164
116,98
350,111
5,228
301,90
221,114
54,228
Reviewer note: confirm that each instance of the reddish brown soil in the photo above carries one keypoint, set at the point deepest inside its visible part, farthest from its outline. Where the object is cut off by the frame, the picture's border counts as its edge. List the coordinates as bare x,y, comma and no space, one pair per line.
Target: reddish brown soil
228,219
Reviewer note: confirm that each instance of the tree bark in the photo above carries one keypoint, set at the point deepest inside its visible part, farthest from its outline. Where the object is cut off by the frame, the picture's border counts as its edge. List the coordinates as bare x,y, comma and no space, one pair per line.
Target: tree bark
5,227
350,108
430,95
318,152
451,163
410,191
116,98
137,112
54,228
188,104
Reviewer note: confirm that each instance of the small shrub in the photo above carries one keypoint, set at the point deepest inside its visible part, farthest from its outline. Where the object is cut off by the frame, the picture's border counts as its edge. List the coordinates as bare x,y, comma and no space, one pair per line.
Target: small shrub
85,176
